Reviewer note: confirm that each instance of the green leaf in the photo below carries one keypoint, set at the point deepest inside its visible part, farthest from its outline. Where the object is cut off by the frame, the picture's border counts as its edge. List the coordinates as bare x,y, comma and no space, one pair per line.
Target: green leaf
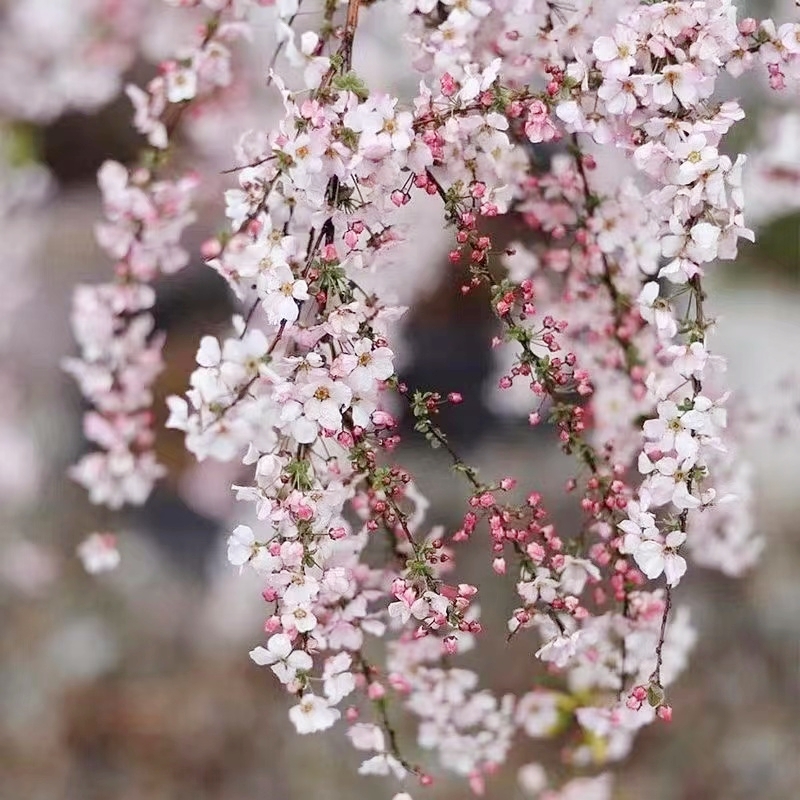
351,82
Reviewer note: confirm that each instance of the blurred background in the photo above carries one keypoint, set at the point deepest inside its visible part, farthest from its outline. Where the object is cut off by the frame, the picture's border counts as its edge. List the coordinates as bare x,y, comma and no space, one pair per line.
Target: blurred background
136,684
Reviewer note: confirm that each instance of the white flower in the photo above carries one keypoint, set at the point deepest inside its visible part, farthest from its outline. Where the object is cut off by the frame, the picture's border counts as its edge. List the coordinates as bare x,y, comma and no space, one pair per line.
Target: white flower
575,574
209,353
280,293
371,365
640,526
680,81
619,50
532,778
476,81
382,764
538,713
285,662
314,66
543,586
268,470
370,737
653,557
313,714
671,431
299,617
98,553
178,413
561,649
704,242
666,481
657,311
619,92
706,417
692,360
325,401
241,545
181,84
338,682
366,737
408,606
696,157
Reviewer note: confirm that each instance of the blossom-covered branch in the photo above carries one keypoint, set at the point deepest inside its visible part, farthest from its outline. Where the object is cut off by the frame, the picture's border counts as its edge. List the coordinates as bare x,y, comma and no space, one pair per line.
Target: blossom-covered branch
602,321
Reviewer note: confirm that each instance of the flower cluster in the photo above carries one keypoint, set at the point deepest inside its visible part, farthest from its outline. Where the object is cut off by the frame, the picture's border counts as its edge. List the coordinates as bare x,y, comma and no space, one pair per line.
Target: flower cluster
121,355
602,326
60,57
145,216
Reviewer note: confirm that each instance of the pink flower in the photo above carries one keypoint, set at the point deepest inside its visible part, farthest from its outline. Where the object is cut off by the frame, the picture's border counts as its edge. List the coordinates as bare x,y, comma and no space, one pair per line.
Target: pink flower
539,126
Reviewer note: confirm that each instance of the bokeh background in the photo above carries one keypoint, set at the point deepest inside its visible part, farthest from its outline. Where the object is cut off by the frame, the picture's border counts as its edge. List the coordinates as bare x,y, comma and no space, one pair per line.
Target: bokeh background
136,684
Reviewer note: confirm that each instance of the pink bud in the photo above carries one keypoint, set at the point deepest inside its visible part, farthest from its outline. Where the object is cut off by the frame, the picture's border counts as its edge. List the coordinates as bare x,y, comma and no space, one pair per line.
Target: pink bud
272,624
383,419
747,26
344,439
447,85
477,783
210,248
399,683
450,645
376,691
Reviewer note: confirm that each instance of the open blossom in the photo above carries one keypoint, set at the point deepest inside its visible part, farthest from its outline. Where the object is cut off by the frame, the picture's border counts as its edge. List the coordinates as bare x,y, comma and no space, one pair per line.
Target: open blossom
298,617
696,156
181,84
370,364
280,657
313,714
314,66
620,49
657,311
538,713
560,650
679,82
339,682
538,125
654,557
671,430
241,545
281,294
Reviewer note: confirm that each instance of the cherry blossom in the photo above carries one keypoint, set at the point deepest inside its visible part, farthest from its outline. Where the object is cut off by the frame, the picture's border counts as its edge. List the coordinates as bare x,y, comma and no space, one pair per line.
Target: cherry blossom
603,326
313,714
98,553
